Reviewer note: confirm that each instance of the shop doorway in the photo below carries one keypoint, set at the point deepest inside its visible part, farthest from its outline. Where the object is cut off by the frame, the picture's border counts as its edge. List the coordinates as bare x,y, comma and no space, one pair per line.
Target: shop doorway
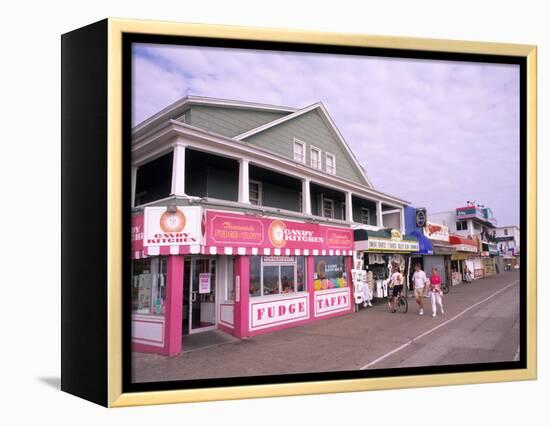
199,295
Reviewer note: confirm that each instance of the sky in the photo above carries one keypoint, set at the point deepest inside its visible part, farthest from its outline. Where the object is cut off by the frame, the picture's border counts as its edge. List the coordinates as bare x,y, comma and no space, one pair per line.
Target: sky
435,133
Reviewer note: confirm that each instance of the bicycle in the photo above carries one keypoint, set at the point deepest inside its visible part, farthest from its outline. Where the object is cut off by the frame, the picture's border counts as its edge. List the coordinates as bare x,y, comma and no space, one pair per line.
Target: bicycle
402,305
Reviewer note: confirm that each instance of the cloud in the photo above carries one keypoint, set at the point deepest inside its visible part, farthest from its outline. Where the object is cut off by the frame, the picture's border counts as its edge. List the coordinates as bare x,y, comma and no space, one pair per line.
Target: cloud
436,133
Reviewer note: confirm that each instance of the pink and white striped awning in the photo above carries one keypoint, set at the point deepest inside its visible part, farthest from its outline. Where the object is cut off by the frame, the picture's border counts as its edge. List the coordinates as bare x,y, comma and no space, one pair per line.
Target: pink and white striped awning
229,233
233,251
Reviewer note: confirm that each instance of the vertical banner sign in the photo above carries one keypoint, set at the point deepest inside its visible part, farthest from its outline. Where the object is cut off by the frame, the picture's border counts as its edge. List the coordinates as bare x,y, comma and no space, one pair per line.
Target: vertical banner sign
204,282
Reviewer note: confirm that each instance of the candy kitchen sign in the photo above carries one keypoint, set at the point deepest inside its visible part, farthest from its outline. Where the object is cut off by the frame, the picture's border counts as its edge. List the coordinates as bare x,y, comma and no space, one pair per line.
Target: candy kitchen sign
172,226
436,232
234,230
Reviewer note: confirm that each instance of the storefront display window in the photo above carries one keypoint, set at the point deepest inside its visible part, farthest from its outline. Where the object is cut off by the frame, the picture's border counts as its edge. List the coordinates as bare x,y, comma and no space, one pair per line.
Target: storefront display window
329,272
149,286
271,275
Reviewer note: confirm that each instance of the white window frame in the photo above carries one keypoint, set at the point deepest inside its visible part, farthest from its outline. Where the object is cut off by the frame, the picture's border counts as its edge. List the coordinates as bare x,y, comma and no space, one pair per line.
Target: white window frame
462,226
320,165
367,210
294,264
229,275
323,199
328,154
260,193
303,144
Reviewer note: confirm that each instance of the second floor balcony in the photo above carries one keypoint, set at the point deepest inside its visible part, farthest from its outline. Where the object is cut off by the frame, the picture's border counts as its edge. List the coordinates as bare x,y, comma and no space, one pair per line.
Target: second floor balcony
205,176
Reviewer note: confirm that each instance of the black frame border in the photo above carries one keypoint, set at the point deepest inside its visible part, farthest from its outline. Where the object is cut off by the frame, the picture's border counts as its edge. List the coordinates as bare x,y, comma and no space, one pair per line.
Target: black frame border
130,38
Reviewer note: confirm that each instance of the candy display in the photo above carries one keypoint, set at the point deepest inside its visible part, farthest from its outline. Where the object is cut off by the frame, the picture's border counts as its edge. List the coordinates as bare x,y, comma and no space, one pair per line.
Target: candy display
317,285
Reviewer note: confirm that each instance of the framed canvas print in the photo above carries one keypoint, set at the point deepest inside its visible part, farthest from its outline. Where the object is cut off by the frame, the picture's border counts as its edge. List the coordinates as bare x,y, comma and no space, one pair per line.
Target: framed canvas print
255,212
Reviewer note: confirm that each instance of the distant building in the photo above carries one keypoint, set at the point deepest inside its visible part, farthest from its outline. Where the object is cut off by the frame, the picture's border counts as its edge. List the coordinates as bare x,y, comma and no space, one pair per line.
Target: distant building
473,223
508,242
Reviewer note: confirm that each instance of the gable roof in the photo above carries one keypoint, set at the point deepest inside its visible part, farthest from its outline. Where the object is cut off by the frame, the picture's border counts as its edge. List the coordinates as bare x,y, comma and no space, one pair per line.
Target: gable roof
330,125
181,105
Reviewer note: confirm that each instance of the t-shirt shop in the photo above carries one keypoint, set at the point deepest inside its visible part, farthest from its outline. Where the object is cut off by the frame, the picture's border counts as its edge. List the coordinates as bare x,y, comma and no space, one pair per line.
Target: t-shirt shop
196,269
382,251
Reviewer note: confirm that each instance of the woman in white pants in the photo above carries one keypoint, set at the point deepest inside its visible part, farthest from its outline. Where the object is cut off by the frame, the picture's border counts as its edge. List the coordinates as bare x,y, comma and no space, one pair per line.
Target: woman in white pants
435,292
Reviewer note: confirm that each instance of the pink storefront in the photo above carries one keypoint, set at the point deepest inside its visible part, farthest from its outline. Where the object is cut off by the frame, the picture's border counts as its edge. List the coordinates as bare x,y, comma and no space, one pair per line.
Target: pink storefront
196,269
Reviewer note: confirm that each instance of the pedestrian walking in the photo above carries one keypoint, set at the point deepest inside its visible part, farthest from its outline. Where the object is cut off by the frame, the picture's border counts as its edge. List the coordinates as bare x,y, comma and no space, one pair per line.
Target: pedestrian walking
396,286
419,280
467,274
435,292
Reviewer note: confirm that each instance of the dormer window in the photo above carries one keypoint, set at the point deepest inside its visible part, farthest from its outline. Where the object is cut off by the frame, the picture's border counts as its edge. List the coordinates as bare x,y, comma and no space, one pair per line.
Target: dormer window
315,156
299,151
330,164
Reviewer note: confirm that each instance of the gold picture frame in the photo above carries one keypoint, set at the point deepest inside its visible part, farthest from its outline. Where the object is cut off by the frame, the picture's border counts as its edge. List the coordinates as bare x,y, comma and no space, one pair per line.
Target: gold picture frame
116,28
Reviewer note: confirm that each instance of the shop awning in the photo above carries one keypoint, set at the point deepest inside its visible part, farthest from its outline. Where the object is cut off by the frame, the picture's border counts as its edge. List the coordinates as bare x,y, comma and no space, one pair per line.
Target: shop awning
463,244
459,256
424,243
385,240
443,249
193,230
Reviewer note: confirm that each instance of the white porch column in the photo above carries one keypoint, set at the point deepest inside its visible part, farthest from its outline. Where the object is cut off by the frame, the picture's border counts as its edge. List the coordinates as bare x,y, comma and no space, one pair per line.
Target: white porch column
379,221
349,207
403,221
244,188
178,170
306,196
133,180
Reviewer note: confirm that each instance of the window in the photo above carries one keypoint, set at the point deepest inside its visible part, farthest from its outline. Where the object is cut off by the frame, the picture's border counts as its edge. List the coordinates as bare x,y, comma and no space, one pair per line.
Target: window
365,215
255,192
331,164
315,155
329,272
271,275
149,286
299,151
477,226
328,208
462,225
506,232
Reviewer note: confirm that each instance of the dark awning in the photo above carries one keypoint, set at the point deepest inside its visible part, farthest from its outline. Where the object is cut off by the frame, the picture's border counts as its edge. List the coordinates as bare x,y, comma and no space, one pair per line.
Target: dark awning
443,249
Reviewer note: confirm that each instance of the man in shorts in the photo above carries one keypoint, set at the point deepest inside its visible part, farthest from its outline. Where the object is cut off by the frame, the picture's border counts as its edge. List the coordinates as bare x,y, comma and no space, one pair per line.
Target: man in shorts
419,280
